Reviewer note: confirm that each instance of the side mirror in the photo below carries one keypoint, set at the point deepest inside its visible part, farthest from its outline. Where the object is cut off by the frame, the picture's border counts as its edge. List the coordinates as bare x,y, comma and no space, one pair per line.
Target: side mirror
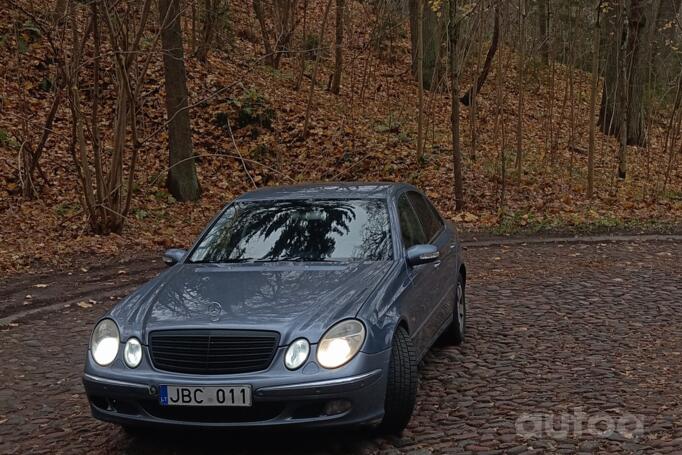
173,256
422,254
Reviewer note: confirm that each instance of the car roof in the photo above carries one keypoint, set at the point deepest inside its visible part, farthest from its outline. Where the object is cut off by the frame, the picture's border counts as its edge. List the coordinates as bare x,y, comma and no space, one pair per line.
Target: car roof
343,190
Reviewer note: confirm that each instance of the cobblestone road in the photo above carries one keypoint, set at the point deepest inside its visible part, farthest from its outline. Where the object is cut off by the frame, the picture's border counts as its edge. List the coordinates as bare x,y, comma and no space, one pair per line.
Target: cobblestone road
589,334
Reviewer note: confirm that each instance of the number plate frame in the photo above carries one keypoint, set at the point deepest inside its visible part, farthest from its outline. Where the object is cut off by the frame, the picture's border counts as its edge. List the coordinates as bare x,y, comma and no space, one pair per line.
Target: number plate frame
238,395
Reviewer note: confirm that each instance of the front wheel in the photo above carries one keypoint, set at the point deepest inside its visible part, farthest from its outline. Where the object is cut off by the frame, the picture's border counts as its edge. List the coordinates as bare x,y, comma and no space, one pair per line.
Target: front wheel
457,329
401,389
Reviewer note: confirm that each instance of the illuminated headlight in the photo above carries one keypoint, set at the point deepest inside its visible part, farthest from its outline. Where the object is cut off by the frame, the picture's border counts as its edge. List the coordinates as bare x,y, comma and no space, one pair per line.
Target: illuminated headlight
297,353
132,354
340,344
104,342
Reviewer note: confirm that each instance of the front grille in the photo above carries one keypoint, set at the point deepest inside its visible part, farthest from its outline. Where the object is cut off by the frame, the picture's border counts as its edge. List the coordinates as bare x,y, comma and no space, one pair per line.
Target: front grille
212,351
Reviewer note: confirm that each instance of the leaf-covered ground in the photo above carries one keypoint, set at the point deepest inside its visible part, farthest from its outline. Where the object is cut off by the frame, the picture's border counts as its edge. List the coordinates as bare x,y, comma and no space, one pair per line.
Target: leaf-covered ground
367,133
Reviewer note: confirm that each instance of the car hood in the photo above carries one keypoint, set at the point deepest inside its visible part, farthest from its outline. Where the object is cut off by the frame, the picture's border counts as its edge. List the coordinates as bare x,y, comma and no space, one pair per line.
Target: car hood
294,299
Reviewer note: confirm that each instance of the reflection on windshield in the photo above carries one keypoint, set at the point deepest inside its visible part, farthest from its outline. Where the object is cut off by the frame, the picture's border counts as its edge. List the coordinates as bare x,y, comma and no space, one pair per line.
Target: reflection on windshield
298,230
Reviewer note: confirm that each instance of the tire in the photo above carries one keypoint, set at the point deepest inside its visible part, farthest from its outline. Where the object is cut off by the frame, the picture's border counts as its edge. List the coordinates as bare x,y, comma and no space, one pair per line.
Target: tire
457,329
401,389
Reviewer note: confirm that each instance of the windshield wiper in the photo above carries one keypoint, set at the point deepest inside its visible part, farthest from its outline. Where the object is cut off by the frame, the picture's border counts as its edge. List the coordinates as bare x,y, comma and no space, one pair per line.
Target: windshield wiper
297,259
223,261
284,259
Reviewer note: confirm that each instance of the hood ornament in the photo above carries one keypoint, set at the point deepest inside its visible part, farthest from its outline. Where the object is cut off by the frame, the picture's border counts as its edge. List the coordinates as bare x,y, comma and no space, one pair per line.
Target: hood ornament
214,309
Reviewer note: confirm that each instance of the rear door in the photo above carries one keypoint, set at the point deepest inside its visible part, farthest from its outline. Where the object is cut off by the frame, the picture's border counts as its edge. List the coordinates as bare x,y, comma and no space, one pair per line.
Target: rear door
443,285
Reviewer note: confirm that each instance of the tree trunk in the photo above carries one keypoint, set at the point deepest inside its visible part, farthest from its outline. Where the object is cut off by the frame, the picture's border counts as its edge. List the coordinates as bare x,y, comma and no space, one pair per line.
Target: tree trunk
670,136
338,54
520,88
182,176
59,13
473,113
211,15
629,49
543,27
593,101
285,22
420,80
432,42
622,94
637,70
571,86
260,15
664,43
302,49
453,34
313,81
480,80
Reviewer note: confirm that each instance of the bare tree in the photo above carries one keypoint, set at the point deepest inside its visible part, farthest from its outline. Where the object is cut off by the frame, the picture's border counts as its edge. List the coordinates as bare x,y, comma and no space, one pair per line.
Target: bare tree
59,12
473,113
593,100
543,29
624,72
622,94
282,15
302,48
420,80
309,104
500,131
453,35
432,67
670,135
338,50
30,157
106,192
260,15
571,86
520,88
213,13
182,175
480,80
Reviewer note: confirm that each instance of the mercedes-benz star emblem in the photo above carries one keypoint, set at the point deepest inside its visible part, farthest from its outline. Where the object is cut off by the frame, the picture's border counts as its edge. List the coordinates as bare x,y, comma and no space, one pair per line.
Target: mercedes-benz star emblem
214,310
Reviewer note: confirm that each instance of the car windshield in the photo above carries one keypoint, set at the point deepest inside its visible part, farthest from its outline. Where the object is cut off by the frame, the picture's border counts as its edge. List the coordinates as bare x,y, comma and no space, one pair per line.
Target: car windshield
298,230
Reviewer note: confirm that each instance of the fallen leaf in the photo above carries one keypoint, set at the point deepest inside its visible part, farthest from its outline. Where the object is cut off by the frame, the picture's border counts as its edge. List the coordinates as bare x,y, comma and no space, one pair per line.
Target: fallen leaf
84,304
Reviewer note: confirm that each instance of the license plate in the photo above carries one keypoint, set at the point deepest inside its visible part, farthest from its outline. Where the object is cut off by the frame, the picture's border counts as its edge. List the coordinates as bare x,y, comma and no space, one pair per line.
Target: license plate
180,395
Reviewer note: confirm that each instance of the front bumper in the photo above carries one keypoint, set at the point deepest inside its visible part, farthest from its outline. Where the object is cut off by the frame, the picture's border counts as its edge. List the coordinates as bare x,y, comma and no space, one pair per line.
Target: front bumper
298,398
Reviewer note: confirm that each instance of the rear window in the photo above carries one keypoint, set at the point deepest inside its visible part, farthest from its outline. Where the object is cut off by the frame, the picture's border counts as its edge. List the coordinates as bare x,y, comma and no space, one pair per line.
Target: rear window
299,230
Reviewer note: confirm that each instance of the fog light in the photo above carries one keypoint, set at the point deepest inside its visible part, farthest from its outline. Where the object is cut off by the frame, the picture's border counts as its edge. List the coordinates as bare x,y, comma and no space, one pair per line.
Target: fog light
336,407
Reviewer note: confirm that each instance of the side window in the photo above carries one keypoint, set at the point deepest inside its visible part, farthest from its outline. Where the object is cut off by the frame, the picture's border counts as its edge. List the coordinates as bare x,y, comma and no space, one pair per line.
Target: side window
429,220
410,227
436,215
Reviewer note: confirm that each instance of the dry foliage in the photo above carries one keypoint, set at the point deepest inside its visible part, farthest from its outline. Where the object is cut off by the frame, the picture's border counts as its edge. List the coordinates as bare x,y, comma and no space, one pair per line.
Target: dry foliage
367,133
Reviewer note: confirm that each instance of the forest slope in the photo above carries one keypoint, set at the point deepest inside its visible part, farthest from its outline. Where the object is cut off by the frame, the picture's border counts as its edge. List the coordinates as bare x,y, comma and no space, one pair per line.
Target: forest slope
366,133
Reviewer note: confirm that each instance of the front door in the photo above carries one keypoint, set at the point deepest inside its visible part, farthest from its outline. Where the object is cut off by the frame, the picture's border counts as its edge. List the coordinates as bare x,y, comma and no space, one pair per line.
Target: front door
419,295
443,284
